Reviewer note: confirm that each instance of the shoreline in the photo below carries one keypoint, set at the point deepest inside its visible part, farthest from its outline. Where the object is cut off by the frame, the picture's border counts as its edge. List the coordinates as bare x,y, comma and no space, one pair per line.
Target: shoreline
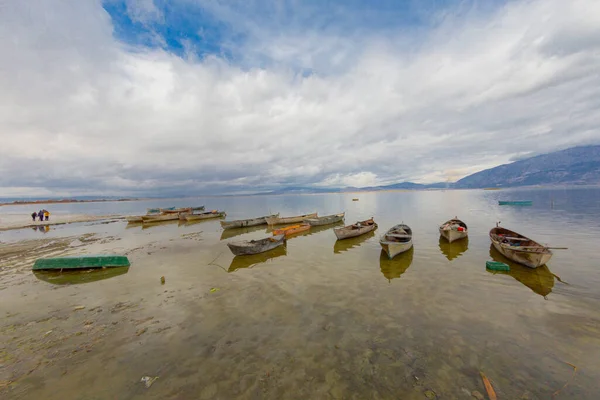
64,201
60,220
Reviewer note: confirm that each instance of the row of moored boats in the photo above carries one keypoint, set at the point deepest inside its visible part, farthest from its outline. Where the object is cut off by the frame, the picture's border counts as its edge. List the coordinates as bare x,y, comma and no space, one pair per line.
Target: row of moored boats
173,213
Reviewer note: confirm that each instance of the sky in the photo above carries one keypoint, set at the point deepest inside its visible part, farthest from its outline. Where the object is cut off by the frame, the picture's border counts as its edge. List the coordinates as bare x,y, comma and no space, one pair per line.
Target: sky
184,97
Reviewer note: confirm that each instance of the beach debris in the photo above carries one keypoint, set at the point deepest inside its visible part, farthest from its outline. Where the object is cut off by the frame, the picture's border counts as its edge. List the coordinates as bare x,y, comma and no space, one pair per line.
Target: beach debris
47,333
476,394
78,308
148,381
141,331
569,381
214,289
162,280
488,387
430,394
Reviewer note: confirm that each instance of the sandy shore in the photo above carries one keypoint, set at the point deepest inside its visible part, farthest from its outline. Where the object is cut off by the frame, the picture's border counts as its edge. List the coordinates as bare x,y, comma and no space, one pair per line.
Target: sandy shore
20,221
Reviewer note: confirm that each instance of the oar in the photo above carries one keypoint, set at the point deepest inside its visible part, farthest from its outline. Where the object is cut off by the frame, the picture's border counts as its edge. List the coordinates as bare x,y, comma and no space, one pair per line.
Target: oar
540,247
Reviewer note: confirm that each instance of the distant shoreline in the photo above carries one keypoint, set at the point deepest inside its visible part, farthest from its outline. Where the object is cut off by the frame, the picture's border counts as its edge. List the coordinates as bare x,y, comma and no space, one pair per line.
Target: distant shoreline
62,201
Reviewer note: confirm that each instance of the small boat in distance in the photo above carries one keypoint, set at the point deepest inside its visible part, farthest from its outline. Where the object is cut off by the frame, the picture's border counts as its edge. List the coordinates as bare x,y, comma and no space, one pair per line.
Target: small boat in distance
396,240
519,248
326,220
515,202
454,229
175,210
357,229
290,230
242,223
205,215
159,218
354,199
289,220
247,247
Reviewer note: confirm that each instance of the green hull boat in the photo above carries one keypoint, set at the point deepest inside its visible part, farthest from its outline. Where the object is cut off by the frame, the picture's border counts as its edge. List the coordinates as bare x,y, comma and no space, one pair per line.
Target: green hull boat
515,202
497,266
81,262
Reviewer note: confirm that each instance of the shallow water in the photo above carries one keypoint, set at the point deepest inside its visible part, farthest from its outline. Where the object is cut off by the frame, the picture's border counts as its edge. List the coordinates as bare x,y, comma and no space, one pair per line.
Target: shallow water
318,318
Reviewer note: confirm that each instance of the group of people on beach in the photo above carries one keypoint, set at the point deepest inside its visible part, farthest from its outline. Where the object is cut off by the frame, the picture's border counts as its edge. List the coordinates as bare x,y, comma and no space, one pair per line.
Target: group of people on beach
41,215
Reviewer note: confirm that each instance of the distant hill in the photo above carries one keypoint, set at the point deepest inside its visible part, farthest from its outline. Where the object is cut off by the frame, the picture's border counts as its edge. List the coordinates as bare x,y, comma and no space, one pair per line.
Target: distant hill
574,166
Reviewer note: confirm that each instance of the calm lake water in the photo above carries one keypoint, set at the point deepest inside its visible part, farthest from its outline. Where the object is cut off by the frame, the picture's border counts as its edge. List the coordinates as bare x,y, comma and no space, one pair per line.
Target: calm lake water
320,319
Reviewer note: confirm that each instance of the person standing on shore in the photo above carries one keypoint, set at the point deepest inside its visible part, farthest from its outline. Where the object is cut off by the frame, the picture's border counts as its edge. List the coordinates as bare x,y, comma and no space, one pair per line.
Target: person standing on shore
33,216
41,215
46,214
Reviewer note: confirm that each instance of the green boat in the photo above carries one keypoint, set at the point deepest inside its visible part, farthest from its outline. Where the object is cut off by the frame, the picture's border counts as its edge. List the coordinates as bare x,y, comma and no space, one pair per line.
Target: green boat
81,262
497,266
515,202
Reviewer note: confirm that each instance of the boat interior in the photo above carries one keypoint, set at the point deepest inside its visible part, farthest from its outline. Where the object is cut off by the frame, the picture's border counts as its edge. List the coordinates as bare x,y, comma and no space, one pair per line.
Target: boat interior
400,233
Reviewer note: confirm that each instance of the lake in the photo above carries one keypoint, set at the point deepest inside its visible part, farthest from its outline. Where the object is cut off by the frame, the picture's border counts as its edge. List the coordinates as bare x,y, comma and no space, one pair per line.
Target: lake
318,318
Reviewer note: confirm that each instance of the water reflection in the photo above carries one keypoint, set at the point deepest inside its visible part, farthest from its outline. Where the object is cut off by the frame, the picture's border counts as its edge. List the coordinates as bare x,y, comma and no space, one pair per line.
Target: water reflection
229,233
79,276
539,279
41,228
347,244
254,259
454,249
398,265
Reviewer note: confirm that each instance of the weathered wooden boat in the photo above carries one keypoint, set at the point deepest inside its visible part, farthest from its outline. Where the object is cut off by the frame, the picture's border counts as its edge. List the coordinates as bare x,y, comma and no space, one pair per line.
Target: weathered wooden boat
251,260
396,240
134,219
159,218
81,262
242,223
290,230
519,248
357,229
206,215
395,268
175,210
326,220
200,208
150,211
354,199
515,202
139,218
454,229
289,220
248,247
496,266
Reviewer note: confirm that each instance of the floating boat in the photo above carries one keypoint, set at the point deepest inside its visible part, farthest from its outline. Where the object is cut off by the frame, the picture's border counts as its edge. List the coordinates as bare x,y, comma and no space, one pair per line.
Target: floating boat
396,240
159,218
395,268
289,220
515,202
290,230
329,219
150,211
206,215
497,266
81,262
354,199
357,229
242,223
248,247
175,210
134,219
519,248
454,229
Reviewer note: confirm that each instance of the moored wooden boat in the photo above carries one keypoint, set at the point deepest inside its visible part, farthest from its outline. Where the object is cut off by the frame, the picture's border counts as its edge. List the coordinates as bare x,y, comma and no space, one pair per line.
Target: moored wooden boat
454,229
81,262
289,220
242,223
150,211
515,202
247,247
175,210
357,229
519,248
290,230
158,218
396,240
134,219
326,220
206,215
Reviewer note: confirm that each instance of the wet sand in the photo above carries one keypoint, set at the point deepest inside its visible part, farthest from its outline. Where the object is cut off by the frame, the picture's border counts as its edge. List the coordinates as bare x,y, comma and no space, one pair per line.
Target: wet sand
20,221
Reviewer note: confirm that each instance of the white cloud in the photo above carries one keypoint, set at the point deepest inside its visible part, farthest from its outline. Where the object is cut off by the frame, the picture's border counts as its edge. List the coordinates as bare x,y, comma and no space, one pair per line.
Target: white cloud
80,110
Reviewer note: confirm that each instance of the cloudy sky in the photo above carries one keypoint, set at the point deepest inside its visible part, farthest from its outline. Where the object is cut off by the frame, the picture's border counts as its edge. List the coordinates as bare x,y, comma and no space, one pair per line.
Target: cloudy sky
149,97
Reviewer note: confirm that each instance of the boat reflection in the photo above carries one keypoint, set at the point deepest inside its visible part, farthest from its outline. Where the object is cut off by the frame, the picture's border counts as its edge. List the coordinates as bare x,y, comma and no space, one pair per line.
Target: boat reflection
454,249
395,267
347,244
250,261
79,276
539,279
229,233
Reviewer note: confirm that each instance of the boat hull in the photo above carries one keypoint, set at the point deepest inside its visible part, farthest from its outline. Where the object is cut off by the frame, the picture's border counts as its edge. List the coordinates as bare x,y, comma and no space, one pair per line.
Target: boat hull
290,230
528,259
197,217
289,220
327,220
134,219
243,223
346,232
519,248
159,218
175,210
515,203
256,246
452,236
81,262
392,249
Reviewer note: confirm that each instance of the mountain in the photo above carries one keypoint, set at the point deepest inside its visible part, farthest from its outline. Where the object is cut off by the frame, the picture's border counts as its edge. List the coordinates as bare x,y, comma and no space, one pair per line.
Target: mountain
574,166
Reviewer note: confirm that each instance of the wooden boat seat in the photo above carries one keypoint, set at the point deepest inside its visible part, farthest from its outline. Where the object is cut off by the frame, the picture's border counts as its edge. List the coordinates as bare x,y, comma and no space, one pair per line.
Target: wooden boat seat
400,236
